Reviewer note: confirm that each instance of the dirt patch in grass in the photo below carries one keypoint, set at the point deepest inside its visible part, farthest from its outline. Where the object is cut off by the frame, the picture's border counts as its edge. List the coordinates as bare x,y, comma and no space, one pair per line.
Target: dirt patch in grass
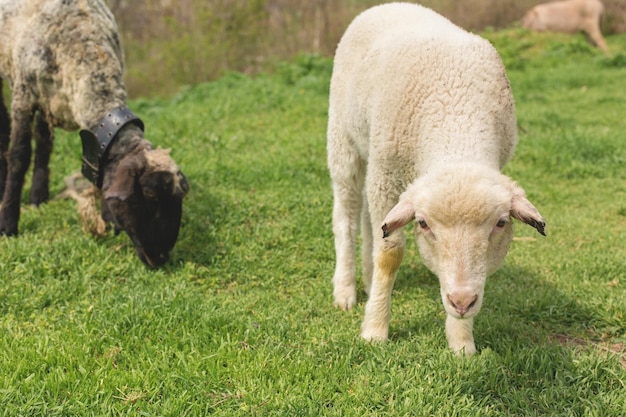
618,348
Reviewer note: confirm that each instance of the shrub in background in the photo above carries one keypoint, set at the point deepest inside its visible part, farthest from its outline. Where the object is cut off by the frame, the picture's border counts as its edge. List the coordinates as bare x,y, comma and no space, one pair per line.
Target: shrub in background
171,43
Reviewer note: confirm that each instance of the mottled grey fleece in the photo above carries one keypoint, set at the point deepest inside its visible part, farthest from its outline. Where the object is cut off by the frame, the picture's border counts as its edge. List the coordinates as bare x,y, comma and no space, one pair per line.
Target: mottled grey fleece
62,56
64,63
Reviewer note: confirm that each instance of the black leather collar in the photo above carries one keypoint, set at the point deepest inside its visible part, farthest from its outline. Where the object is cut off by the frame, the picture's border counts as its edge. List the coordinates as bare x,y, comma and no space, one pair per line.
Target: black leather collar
98,139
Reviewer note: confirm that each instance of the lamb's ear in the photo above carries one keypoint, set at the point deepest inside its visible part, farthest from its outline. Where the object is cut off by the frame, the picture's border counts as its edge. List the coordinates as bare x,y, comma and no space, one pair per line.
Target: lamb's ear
183,185
399,216
524,211
122,184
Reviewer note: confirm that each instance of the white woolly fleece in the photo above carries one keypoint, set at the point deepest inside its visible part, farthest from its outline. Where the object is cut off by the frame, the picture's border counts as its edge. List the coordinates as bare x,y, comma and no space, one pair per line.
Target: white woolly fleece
418,104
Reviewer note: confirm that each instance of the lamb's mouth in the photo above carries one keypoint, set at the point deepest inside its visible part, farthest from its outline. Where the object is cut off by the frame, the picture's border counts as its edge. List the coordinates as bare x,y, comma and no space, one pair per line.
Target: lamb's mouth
153,261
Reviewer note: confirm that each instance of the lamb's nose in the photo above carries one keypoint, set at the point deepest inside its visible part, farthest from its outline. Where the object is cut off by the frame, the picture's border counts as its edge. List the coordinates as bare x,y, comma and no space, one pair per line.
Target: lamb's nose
462,302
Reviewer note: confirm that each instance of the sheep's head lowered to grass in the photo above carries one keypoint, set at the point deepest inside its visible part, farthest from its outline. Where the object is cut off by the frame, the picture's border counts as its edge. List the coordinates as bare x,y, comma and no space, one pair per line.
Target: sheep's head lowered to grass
142,188
144,198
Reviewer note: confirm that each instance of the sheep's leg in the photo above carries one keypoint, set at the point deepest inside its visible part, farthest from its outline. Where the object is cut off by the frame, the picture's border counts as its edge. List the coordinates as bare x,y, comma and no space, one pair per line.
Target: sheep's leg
595,35
5,132
18,161
366,246
44,139
459,333
345,228
387,255
347,173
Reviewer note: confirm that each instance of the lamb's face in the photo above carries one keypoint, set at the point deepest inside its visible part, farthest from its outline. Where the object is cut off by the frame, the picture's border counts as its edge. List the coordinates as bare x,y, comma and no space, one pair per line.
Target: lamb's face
146,203
463,228
462,255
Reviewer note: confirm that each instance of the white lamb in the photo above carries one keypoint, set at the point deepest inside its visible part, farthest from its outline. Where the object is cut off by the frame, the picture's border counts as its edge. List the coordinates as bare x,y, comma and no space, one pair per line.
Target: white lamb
421,122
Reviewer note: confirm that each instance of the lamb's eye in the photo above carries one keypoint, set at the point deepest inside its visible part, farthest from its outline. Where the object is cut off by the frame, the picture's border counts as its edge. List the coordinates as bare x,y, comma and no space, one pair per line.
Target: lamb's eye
423,224
501,223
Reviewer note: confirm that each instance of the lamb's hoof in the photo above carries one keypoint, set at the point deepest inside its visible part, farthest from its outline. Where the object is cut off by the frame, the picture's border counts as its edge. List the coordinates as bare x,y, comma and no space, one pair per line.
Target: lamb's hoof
37,202
375,335
467,350
38,198
345,305
345,300
8,231
8,228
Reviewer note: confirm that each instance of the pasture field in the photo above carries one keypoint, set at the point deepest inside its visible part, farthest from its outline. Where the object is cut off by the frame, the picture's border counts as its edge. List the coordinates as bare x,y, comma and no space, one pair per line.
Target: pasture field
241,322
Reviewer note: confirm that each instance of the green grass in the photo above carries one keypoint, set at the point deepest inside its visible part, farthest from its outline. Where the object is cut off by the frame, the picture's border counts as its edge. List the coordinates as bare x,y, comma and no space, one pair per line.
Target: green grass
241,322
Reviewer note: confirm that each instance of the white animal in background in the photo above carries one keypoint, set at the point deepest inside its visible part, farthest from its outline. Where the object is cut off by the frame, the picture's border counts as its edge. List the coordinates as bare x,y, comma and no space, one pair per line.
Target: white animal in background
421,123
568,16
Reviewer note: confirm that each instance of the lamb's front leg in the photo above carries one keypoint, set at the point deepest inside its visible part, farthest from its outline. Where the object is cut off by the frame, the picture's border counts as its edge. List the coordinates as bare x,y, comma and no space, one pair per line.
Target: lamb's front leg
388,257
460,335
18,161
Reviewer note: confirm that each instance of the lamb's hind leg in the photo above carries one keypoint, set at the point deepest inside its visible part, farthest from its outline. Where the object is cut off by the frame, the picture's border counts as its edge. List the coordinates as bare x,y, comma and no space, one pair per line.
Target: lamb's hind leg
5,133
44,139
347,173
366,246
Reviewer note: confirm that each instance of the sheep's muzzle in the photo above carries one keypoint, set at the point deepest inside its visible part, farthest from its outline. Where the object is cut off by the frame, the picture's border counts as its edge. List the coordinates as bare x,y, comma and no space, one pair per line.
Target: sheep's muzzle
151,216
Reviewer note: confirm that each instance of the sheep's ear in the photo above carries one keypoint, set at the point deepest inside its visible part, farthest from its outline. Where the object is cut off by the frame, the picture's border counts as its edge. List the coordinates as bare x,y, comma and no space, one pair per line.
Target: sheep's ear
399,216
182,187
163,183
123,182
524,211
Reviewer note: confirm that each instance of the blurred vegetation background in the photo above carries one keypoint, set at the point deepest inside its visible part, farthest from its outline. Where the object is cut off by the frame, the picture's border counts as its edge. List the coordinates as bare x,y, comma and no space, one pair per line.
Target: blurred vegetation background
172,43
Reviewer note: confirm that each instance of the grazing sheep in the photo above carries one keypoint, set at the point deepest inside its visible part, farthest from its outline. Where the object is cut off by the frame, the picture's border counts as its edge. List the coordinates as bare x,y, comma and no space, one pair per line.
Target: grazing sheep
568,16
421,122
64,63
